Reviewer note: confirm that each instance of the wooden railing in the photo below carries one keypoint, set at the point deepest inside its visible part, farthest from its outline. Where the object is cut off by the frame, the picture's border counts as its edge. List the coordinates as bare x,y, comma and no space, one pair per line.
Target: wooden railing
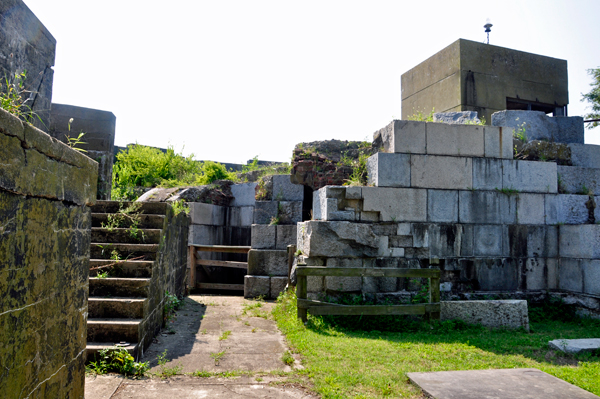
430,310
194,262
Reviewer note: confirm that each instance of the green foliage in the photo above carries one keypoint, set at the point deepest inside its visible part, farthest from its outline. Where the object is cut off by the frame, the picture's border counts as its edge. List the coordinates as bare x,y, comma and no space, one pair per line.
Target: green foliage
593,97
164,370
12,93
117,360
359,173
172,304
521,133
142,166
179,207
73,142
225,335
287,358
419,116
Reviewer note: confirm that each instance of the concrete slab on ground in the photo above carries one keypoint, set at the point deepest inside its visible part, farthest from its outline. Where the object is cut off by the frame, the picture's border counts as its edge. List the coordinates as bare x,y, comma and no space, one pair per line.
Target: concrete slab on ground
497,384
576,345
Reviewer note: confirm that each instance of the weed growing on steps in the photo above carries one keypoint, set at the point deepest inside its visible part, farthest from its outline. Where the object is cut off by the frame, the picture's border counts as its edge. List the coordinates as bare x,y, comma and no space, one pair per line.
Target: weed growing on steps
172,304
217,356
117,360
359,173
164,370
225,335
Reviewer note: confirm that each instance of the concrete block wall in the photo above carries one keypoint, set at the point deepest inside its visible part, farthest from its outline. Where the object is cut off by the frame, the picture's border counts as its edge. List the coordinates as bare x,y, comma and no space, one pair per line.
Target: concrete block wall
46,189
273,230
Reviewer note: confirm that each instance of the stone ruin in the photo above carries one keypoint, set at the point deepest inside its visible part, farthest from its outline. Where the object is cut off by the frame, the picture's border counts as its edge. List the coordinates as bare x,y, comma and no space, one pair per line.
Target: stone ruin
452,196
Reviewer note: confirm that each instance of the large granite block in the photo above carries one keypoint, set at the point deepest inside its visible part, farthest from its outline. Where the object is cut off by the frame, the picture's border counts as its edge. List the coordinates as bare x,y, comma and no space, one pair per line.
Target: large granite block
402,136
256,286
585,155
488,240
264,236
535,277
396,204
444,240
267,262
265,211
285,190
539,126
289,212
566,209
498,142
578,180
240,216
495,313
442,206
591,276
488,207
343,284
286,235
277,286
579,241
243,194
336,239
570,275
457,140
487,174
529,176
530,208
497,274
432,171
325,202
389,170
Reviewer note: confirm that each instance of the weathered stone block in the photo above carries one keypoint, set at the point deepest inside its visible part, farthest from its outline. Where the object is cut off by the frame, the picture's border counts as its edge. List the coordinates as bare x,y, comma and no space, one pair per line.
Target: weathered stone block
497,274
529,176
461,117
315,283
498,142
267,262
552,278
585,155
286,235
442,206
591,276
487,174
532,241
336,239
243,194
353,192
530,208
577,180
277,286
488,240
264,211
488,207
240,216
396,204
570,275
343,284
402,136
579,241
538,126
255,286
285,190
566,209
495,314
432,171
401,241
456,140
447,240
535,278
289,212
389,170
575,346
264,236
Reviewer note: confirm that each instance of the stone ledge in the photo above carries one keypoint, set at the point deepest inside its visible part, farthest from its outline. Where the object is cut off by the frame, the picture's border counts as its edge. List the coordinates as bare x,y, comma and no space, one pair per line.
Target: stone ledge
495,313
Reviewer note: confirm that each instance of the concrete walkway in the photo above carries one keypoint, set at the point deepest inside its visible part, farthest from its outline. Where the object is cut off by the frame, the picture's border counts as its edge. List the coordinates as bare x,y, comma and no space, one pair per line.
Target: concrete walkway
211,334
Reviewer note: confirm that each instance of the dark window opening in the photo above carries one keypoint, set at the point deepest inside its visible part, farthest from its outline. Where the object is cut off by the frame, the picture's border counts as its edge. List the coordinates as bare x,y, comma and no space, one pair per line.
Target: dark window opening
524,105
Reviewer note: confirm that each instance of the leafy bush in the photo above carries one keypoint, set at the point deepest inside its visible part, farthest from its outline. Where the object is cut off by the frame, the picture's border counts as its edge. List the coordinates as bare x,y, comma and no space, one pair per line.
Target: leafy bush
117,360
142,166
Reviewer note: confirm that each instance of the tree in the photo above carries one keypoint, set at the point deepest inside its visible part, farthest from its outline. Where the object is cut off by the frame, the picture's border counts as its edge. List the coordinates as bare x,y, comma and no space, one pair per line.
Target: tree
593,97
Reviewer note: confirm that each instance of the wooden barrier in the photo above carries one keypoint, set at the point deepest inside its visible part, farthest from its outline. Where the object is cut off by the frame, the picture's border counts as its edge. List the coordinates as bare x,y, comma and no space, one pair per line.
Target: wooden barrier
194,262
430,310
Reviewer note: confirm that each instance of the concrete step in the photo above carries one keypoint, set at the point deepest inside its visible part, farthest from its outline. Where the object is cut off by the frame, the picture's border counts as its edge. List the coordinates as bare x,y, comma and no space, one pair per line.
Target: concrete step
145,221
106,250
157,208
119,287
117,307
127,268
127,236
112,331
92,349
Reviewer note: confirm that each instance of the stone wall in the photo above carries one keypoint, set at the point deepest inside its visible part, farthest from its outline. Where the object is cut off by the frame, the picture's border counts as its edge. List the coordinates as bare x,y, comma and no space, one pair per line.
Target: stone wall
25,44
451,196
99,138
45,192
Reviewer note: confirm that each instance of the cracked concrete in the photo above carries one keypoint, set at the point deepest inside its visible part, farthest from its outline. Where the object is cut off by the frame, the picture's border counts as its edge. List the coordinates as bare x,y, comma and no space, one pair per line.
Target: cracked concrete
213,334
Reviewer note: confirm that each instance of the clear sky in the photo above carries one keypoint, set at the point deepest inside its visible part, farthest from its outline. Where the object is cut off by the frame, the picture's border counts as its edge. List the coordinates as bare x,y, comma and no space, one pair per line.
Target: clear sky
228,80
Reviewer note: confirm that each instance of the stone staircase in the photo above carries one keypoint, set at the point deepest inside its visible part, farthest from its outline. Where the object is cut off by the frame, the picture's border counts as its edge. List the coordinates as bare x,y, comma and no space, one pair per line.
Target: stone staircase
119,305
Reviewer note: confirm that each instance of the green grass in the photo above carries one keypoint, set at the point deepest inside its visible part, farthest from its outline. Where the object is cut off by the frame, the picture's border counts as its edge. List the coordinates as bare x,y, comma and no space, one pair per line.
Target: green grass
346,363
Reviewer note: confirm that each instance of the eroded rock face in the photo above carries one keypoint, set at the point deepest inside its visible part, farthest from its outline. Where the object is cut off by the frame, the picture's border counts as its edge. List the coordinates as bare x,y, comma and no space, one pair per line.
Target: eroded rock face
216,193
537,150
330,239
327,163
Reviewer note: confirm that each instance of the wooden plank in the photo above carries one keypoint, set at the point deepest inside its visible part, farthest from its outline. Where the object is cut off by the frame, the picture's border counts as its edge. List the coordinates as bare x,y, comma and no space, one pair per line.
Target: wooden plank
192,260
365,272
215,286
291,254
301,286
374,310
223,248
306,303
222,263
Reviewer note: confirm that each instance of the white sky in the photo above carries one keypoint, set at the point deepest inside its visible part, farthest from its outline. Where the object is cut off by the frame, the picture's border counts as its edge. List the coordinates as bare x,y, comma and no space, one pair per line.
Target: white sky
232,79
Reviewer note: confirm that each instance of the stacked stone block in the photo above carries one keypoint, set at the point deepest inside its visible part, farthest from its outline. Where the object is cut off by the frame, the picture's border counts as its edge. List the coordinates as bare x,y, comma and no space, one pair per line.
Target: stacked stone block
451,196
273,230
